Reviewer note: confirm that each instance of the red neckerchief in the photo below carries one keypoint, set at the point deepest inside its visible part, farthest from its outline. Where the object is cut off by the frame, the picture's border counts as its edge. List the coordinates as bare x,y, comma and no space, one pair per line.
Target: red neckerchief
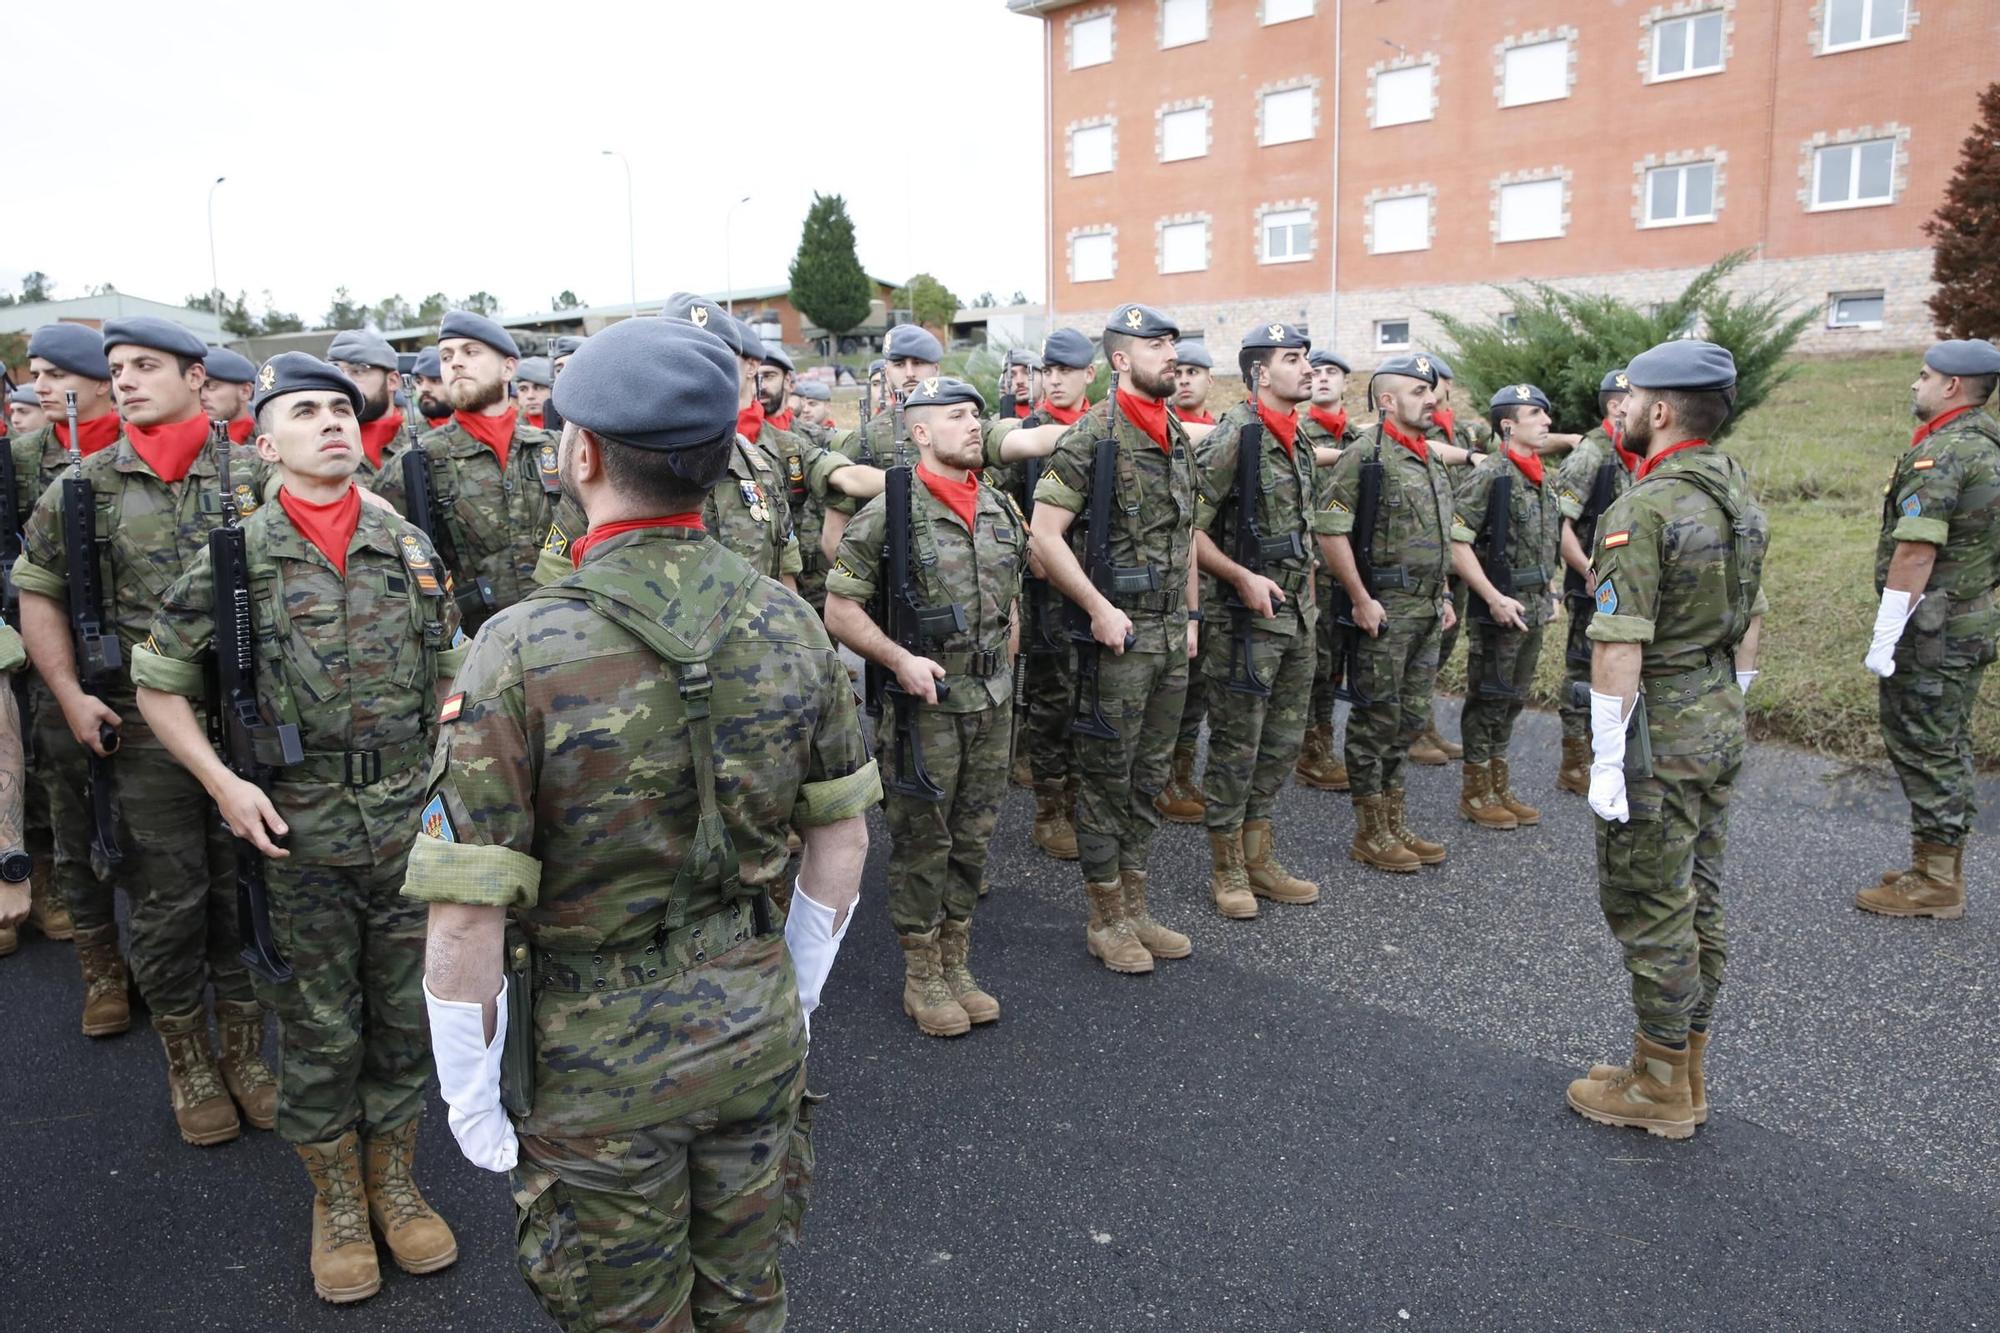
535,420
690,519
1936,423
330,527
960,497
241,428
376,434
783,420
1529,463
1335,422
170,450
1022,409
435,422
1066,416
750,421
93,434
1285,427
1149,415
1415,444
496,433
1654,460
1195,418
1446,422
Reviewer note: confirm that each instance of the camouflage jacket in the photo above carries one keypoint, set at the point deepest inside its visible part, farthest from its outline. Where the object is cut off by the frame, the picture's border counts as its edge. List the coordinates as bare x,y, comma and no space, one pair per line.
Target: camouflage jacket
1291,502
1946,491
497,516
562,789
148,533
1312,435
1534,533
1412,551
1152,516
39,462
352,662
1578,474
979,569
1469,431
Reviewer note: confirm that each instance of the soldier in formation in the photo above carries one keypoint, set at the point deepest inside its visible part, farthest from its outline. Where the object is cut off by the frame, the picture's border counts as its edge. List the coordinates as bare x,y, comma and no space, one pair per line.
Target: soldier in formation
532,379
1182,800
16,864
1596,472
366,358
1325,428
225,394
427,374
24,412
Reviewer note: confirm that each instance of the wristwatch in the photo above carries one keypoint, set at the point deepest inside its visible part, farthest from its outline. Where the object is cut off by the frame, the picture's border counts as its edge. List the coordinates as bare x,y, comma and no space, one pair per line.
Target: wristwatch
16,866
1196,616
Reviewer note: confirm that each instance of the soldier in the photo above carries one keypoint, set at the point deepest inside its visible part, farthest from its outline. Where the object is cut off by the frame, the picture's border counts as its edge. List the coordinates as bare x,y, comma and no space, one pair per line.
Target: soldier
561,350
157,499
15,864
1680,607
968,545
368,359
532,381
789,448
1597,471
910,353
1194,380
1182,801
815,409
433,403
1936,566
1260,670
225,394
24,412
1508,560
1327,430
363,642
1401,609
1431,748
1017,378
775,380
586,787
1143,640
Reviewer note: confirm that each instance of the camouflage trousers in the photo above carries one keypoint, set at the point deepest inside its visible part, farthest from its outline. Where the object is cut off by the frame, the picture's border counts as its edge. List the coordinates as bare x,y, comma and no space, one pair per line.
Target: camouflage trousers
60,769
180,875
1659,880
1044,727
1253,740
939,852
1926,717
1508,657
676,1226
1461,597
37,837
1194,709
1396,670
1141,694
353,1046
1326,653
1576,667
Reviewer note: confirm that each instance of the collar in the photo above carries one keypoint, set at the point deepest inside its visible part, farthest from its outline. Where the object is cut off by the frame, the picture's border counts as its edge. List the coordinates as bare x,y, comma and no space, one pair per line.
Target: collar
1654,460
92,435
1149,416
1284,425
376,435
496,433
1529,463
1936,424
1414,443
960,497
1334,422
750,420
688,523
1066,416
172,449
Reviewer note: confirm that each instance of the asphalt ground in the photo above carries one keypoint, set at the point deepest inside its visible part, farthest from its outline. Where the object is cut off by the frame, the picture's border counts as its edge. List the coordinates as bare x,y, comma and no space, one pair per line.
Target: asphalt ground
1341,1116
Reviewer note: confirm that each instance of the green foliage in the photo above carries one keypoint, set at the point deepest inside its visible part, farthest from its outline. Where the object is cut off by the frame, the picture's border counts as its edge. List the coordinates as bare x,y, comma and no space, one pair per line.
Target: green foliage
828,284
565,300
37,286
1565,341
344,312
433,307
278,321
482,303
1966,227
929,301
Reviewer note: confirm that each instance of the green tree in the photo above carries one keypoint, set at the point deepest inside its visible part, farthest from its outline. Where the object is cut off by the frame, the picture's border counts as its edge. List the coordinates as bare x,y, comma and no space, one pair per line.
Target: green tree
433,308
279,321
37,286
482,303
234,314
393,312
345,312
565,300
1966,227
929,301
1565,341
828,284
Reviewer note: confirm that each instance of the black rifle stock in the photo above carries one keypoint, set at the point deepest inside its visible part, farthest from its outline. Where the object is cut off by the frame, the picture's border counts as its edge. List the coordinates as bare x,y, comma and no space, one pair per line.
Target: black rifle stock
474,592
1348,635
1255,552
10,596
1087,710
1576,588
99,659
1495,558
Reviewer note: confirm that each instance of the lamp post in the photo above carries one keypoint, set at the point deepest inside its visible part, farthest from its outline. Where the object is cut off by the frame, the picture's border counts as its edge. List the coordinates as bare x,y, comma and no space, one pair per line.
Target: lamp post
214,282
728,277
631,244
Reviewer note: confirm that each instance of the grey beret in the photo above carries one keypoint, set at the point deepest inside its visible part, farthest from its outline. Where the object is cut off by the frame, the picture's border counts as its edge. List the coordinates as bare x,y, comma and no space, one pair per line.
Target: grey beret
71,347
162,335
1194,352
1067,347
229,367
26,395
752,346
535,370
427,365
465,324
1322,357
876,367
1415,365
1021,356
1614,381
1683,363
296,372
814,390
566,345
360,347
1964,356
1276,334
660,384
1141,321
912,340
943,391
706,314
1519,395
776,355
1442,366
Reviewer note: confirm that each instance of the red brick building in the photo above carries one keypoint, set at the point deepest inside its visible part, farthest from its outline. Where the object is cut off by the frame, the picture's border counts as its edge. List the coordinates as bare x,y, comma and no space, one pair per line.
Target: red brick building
1355,163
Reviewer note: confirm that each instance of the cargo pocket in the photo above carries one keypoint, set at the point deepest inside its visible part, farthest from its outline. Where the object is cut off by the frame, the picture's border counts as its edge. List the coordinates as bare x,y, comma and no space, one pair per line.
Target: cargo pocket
546,1243
799,1166
1926,630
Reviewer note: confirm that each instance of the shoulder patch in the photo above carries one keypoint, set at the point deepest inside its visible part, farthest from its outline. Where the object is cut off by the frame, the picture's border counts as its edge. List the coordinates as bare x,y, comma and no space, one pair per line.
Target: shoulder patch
1912,506
1336,507
558,540
452,707
436,822
1607,598
458,639
418,562
1571,496
1614,540
1922,463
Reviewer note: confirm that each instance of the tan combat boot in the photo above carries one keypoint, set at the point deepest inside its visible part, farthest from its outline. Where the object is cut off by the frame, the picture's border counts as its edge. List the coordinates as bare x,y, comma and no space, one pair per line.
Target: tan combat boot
1934,885
1428,852
1503,792
954,949
240,1027
1181,801
1477,802
1268,877
1054,833
46,909
1697,1088
1574,775
1109,937
1652,1093
1319,764
418,1239
343,1253
107,1002
1228,883
1433,749
1156,938
1021,775
201,1102
926,998
1375,843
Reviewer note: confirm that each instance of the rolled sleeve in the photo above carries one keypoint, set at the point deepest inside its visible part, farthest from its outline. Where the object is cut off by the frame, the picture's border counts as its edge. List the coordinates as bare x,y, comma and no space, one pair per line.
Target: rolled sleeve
1627,575
1053,490
1930,531
835,799
858,559
790,561
157,671
31,577
841,780
1324,523
997,432
12,652
471,873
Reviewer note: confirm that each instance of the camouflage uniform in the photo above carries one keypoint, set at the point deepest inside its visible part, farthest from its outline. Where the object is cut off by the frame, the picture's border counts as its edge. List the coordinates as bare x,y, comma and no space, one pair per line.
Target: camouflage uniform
1313,435
1534,550
1670,577
1475,437
795,451
352,662
1574,482
1051,675
668,1041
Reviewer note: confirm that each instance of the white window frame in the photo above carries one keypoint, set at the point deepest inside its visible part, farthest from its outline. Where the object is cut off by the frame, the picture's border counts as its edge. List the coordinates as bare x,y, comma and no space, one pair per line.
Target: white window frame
1500,236
1166,225
1110,132
1833,300
1305,10
1568,45
1826,46
1381,324
1430,100
1683,219
1375,232
1207,114
1207,22
1306,90
1686,22
1110,239
1296,217
1819,153
1082,21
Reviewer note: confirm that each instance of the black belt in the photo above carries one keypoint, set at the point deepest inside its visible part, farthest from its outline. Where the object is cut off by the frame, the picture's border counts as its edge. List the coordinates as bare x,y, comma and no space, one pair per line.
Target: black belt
354,768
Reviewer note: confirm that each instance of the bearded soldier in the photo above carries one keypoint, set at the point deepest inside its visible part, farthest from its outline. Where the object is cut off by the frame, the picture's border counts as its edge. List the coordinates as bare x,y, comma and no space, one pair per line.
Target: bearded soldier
368,360
1325,428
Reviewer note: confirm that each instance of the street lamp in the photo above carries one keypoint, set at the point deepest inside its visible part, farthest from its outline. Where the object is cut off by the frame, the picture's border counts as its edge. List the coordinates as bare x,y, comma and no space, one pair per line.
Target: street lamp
728,277
214,283
631,245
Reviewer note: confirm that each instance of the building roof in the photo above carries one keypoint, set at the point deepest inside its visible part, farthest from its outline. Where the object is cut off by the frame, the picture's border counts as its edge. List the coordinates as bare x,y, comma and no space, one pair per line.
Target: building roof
1038,6
94,310
596,316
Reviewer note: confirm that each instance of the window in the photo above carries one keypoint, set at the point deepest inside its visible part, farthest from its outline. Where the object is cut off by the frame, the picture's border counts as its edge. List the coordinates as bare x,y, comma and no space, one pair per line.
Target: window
1288,116
1090,150
1284,11
1850,175
1183,21
1392,335
1093,257
1403,95
1852,23
1184,134
1687,46
1401,224
1531,210
1183,247
1680,194
1090,42
1288,236
1537,73
1854,310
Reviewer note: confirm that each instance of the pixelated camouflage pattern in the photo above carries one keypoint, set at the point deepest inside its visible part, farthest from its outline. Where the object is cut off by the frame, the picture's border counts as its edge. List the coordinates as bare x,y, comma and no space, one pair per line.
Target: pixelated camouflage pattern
1534,532
1486,725
1141,694
1397,669
1314,435
1574,480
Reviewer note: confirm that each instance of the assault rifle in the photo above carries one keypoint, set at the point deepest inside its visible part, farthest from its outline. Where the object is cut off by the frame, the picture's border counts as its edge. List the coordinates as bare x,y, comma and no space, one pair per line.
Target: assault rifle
100,662
250,746
1576,588
10,596
1087,710
474,591
1256,553
1347,635
1494,558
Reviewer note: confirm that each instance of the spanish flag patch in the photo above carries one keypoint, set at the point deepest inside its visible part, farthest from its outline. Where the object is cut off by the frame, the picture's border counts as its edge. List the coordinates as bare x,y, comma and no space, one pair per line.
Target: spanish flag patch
451,708
1923,463
1613,540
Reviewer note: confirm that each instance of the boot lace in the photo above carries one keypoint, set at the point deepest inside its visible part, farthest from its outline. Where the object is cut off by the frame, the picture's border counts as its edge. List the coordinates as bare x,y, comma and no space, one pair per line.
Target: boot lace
346,1219
397,1187
189,1061
240,1053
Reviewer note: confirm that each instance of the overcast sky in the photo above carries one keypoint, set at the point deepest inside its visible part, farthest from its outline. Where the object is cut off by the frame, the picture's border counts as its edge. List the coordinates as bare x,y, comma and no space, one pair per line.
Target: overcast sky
410,148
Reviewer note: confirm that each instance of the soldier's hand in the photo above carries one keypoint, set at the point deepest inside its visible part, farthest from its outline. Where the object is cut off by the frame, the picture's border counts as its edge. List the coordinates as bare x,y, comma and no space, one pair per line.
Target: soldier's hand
86,716
1369,617
1111,627
1607,792
1448,614
13,905
1881,660
1506,611
919,676
1260,594
251,816
1193,639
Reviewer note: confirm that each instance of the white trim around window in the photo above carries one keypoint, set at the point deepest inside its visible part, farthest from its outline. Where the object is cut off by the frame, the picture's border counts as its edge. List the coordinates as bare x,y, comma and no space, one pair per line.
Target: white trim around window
1856,25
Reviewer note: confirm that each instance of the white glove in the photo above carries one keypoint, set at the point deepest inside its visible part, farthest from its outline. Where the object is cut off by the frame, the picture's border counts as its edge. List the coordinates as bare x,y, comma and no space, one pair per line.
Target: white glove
1890,617
469,1077
810,935
1607,747
1743,679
